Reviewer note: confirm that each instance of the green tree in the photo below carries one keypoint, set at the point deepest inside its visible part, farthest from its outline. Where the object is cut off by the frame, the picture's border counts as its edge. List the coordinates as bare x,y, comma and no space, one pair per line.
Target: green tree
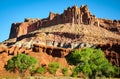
21,63
90,61
53,67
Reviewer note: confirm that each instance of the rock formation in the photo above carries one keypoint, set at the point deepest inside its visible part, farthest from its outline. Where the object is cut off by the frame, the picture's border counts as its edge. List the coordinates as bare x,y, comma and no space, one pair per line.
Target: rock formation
25,27
112,53
45,54
111,25
72,15
53,38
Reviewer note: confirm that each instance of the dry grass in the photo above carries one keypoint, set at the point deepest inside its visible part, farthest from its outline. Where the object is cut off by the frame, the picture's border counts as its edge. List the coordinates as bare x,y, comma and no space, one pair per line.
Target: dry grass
50,77
7,75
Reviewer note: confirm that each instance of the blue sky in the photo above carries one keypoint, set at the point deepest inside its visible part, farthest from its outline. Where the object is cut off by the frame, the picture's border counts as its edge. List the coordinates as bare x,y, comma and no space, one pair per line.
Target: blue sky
16,10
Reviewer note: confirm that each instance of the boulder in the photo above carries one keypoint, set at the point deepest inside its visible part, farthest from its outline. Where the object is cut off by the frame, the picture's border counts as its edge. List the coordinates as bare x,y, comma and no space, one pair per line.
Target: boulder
11,50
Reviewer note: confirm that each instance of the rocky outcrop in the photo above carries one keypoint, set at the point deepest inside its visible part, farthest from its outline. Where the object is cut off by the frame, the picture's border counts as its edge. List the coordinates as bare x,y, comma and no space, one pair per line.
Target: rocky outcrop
55,39
112,52
72,15
67,40
44,54
50,50
18,29
47,54
77,28
111,25
60,34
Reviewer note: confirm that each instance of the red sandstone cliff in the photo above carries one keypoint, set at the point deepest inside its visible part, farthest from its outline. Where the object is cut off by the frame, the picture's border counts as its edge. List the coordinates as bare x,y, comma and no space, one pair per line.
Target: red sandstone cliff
44,54
25,27
84,29
47,54
72,15
51,39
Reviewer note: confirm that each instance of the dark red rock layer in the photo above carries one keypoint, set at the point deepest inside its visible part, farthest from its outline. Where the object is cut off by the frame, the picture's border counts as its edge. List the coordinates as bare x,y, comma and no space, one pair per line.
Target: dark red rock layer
112,52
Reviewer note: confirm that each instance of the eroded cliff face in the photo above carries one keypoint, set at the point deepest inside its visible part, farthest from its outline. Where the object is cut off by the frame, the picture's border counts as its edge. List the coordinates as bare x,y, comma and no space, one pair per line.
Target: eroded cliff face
47,54
53,38
73,15
110,25
44,54
112,52
18,29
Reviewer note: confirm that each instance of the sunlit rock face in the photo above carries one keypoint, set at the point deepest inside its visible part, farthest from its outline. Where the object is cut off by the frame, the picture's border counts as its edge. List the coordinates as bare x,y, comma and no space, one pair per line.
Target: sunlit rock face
52,38
72,15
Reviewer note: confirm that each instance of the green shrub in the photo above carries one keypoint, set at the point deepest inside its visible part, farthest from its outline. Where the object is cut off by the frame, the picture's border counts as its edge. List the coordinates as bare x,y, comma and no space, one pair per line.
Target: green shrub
40,70
65,71
75,71
90,61
21,63
53,67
